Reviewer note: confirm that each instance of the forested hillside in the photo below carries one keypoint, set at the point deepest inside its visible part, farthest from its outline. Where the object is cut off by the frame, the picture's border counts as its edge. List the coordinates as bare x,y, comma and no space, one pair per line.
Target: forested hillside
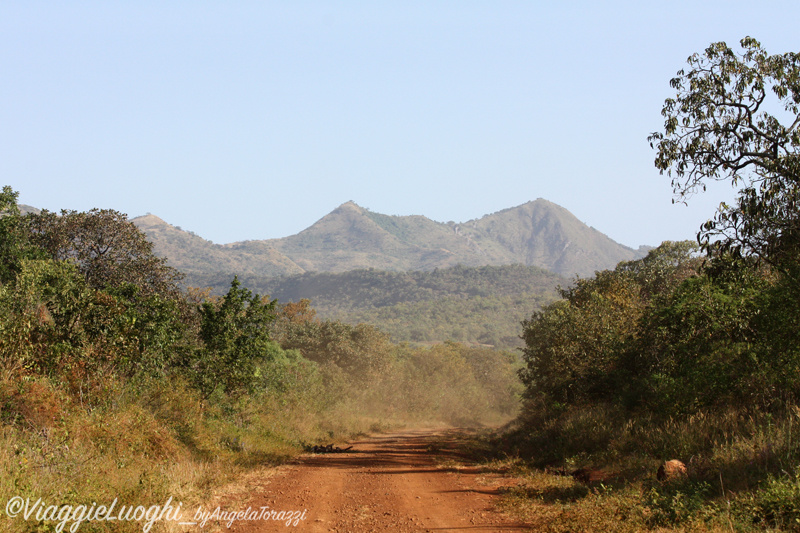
483,305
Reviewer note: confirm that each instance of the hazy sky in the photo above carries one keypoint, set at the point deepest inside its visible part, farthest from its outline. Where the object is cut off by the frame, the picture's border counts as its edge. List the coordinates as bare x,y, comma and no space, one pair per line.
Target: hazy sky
250,120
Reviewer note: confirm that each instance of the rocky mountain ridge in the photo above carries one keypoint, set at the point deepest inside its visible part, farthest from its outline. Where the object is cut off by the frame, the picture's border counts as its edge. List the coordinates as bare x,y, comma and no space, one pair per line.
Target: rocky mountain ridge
537,233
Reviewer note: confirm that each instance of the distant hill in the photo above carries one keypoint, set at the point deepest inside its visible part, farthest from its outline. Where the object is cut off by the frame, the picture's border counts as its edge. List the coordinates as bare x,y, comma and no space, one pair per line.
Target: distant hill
371,289
537,233
482,305
194,255
418,279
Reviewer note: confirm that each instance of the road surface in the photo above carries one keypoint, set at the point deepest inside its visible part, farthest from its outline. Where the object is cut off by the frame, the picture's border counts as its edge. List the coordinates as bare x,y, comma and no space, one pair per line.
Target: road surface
402,482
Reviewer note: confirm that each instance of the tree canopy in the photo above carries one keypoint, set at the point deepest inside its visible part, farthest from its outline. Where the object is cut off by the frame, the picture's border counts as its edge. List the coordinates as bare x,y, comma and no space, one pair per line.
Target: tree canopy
14,240
736,118
108,249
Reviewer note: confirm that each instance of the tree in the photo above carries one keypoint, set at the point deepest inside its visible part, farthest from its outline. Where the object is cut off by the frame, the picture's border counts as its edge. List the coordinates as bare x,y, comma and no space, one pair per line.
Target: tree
108,249
573,346
664,267
14,244
360,350
235,331
41,315
735,118
577,349
701,346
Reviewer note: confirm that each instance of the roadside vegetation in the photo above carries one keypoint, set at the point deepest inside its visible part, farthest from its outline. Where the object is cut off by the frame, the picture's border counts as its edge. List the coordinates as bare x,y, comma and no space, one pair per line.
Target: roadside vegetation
691,353
116,384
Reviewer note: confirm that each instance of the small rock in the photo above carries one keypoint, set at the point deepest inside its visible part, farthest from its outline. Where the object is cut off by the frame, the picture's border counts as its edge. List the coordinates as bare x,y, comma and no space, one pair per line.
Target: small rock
671,470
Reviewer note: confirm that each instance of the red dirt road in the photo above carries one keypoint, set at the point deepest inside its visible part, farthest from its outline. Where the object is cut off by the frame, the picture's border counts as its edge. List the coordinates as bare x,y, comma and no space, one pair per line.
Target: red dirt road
399,482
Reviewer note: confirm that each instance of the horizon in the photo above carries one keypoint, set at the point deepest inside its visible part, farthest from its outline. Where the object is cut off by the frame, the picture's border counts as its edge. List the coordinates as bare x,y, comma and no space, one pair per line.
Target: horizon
162,219
249,121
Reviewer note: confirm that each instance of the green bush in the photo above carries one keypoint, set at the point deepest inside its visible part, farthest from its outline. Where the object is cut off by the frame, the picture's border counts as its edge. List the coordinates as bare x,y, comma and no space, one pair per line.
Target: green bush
776,503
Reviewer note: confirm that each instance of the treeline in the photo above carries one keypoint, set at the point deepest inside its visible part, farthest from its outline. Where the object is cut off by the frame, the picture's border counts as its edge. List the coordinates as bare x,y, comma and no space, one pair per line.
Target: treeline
480,305
674,356
488,321
670,334
693,352
114,382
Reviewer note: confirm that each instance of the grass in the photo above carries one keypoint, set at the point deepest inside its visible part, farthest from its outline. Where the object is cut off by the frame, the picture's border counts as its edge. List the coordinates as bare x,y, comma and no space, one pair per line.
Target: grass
142,443
743,470
145,440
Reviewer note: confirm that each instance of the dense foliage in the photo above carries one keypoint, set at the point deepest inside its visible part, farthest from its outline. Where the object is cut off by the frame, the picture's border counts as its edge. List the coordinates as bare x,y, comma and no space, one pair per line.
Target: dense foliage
479,305
696,360
94,327
106,248
686,356
586,347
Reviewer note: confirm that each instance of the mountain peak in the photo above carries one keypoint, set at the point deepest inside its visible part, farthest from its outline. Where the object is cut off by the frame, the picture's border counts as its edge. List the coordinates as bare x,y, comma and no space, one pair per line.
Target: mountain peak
149,221
350,204
537,233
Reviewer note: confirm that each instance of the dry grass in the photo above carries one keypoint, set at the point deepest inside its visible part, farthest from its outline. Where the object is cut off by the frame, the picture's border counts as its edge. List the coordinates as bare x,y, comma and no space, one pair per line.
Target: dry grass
743,470
147,441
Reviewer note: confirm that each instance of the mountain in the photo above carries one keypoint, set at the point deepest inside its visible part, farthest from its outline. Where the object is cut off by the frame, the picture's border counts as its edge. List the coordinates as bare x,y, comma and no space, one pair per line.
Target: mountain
352,237
538,233
194,255
546,235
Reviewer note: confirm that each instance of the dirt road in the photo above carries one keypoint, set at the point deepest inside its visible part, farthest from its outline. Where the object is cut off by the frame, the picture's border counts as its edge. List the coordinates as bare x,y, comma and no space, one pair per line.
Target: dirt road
399,482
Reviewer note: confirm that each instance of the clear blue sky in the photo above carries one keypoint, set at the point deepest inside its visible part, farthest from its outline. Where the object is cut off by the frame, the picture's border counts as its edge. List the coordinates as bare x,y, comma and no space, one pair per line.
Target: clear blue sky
250,120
